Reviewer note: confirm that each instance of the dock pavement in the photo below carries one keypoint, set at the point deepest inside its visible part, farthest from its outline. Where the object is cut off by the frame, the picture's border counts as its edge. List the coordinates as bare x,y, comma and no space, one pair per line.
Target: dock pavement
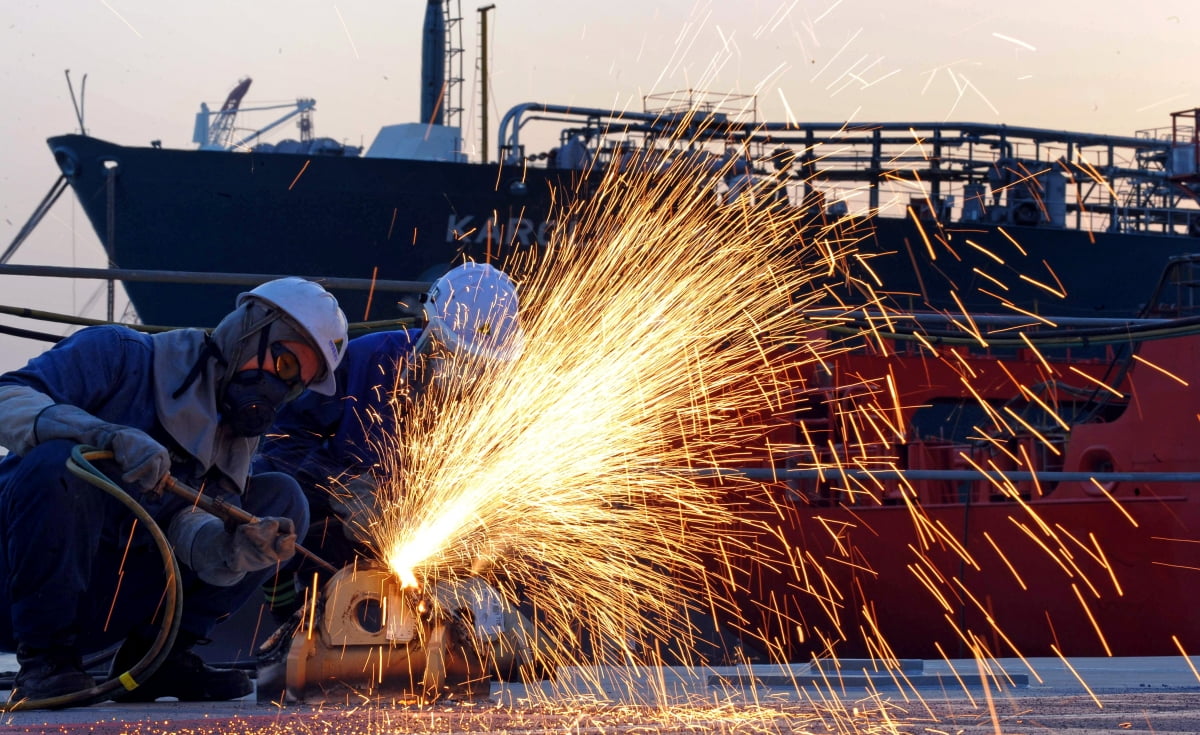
1077,695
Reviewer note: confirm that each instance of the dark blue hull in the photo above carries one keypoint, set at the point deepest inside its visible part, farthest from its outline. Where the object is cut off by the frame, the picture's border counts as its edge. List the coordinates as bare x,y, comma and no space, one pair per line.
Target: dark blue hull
1009,269
211,211
273,213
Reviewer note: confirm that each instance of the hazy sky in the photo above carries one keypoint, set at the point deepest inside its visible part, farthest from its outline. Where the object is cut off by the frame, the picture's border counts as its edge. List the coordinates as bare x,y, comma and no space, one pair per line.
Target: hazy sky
1110,66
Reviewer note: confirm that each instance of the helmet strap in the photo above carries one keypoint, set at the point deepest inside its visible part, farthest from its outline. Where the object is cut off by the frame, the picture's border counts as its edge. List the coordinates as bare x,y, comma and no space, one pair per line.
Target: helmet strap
200,367
264,343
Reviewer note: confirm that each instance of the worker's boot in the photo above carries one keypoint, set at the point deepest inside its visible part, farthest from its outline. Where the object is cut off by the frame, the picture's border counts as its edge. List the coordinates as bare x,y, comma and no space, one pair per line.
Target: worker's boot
183,675
49,672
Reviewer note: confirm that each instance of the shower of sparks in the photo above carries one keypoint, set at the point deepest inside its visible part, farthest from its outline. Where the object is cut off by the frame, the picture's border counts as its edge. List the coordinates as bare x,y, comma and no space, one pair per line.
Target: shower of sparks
669,340
655,330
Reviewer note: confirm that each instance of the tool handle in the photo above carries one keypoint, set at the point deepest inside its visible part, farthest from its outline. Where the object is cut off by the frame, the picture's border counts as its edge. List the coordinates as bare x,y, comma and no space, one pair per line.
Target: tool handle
227,512
315,559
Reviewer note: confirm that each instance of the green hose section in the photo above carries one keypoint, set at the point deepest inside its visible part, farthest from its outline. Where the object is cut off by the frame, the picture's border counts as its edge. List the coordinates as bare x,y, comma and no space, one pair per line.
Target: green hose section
79,464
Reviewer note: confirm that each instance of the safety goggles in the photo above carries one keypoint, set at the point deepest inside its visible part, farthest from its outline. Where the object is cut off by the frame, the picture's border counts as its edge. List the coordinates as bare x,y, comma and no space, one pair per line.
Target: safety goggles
287,365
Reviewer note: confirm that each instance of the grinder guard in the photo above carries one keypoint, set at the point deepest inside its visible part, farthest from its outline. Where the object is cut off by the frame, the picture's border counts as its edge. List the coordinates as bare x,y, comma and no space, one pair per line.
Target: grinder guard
367,637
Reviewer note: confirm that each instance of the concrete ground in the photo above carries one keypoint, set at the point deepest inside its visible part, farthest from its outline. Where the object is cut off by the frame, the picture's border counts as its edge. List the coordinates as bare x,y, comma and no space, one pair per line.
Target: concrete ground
1160,695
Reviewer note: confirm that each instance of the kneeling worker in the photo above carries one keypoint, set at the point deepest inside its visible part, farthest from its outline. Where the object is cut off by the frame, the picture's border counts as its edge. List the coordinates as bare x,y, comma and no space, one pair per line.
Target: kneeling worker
79,574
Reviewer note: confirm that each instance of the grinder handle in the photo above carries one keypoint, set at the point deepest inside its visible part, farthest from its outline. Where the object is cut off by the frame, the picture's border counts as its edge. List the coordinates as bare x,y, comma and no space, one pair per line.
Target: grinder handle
227,513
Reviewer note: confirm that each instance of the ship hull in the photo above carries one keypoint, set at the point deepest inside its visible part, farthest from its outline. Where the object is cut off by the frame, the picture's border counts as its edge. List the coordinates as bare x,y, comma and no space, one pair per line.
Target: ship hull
868,582
316,216
1006,269
1088,549
322,216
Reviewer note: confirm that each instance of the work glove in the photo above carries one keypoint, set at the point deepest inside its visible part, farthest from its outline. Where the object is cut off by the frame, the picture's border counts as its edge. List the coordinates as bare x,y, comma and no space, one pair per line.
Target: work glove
143,461
221,557
262,544
355,504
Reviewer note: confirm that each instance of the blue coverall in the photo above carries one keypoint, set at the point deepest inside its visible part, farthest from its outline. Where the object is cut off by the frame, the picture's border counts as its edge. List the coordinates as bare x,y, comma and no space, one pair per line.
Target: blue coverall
71,572
320,439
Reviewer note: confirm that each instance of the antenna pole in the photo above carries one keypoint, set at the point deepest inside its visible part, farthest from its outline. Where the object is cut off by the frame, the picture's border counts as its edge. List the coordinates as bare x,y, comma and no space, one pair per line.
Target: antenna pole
483,76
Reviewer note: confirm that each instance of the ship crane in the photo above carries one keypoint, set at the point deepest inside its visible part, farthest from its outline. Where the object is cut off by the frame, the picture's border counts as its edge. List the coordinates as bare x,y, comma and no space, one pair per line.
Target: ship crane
215,134
214,130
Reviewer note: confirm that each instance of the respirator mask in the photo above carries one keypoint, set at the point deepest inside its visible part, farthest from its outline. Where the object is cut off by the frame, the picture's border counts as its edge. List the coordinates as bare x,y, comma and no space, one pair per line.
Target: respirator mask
252,397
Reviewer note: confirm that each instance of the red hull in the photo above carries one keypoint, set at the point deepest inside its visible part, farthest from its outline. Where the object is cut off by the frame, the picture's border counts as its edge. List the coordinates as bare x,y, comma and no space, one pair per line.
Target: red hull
873,581
851,565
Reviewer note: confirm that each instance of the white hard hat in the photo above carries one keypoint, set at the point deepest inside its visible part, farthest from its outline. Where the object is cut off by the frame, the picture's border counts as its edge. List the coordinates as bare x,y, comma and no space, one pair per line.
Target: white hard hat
316,312
473,310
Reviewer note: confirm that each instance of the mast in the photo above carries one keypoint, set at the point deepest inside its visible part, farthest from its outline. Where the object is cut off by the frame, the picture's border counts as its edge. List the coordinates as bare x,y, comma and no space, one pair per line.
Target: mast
433,64
483,76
